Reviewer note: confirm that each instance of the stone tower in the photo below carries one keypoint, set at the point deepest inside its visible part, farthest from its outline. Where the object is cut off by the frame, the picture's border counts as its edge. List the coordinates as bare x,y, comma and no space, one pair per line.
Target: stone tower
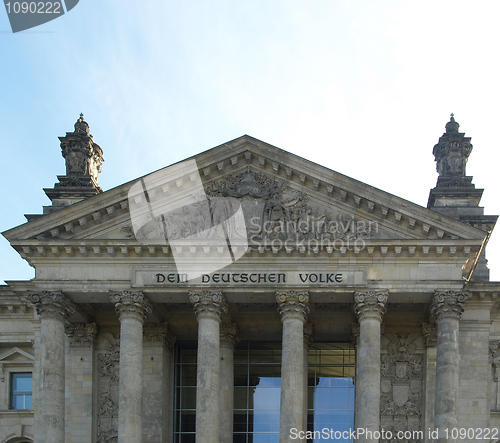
455,195
83,164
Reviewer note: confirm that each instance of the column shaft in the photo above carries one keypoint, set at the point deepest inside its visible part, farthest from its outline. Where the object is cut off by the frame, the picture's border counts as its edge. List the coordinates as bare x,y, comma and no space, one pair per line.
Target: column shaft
308,337
130,388
52,381
447,307
53,308
209,307
293,309
369,307
368,382
132,308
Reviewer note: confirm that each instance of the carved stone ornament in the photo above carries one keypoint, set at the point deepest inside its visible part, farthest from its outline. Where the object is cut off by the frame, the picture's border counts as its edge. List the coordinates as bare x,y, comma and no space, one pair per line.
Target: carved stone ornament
452,151
132,304
52,304
229,335
108,373
82,334
158,334
430,333
448,304
355,331
293,304
493,349
308,335
401,372
83,156
370,304
271,209
208,304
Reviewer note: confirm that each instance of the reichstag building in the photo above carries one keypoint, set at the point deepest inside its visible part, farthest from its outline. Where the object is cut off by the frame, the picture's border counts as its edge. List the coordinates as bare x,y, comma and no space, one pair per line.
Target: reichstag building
247,295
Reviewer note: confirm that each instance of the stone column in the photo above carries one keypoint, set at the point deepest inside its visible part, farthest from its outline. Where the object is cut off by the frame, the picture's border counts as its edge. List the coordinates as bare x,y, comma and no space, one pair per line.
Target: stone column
308,338
369,307
53,307
447,307
229,337
293,308
209,306
132,309
81,381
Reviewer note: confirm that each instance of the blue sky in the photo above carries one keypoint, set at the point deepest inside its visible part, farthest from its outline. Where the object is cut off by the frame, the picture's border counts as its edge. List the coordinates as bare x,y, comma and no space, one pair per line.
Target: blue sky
363,87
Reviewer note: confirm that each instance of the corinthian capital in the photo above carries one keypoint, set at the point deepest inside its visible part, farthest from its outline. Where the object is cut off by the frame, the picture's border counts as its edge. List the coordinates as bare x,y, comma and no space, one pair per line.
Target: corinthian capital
370,304
131,304
429,331
208,304
52,304
448,304
229,335
293,304
158,334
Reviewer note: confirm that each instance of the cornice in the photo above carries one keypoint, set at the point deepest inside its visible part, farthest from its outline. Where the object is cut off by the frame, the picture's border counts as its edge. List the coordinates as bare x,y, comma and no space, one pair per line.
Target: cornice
37,250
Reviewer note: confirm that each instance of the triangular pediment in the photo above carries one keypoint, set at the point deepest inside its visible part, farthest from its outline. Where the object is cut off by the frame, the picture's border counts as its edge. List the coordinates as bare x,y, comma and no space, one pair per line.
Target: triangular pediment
16,355
271,185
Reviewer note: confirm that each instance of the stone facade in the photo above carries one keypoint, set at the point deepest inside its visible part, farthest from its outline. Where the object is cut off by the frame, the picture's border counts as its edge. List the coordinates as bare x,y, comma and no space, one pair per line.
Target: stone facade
321,259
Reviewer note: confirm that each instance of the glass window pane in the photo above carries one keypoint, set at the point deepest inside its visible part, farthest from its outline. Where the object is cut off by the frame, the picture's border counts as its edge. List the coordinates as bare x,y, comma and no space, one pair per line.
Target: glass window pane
22,382
265,399
20,390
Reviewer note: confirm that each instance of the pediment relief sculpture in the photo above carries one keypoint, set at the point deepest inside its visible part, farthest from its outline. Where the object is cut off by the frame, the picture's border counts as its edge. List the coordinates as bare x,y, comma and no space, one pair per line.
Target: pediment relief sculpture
271,209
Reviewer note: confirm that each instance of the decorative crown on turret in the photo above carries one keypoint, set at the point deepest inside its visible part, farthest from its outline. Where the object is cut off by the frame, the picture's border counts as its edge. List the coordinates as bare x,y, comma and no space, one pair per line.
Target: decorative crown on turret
452,125
83,156
83,164
452,151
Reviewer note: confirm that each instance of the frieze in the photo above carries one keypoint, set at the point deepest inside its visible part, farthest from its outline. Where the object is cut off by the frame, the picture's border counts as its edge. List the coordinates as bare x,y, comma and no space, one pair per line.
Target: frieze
160,276
271,209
